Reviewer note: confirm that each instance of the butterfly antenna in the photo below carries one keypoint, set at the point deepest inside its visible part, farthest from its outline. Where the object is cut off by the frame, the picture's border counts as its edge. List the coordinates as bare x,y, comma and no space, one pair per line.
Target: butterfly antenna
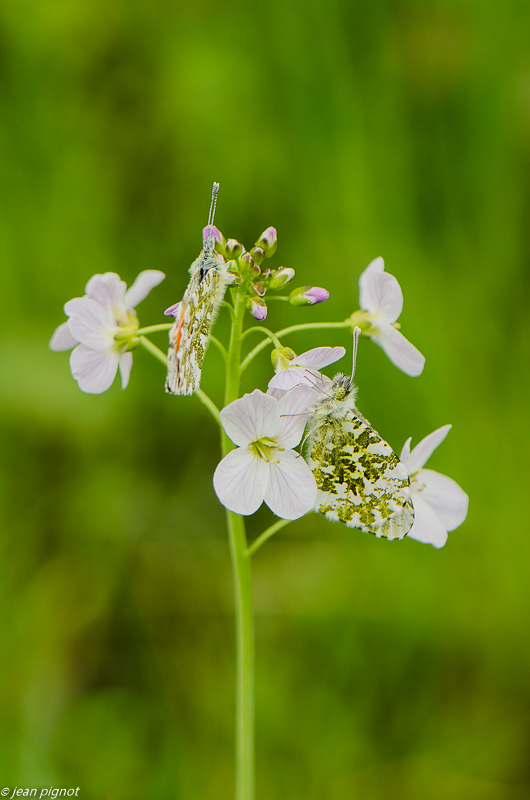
356,335
211,215
316,385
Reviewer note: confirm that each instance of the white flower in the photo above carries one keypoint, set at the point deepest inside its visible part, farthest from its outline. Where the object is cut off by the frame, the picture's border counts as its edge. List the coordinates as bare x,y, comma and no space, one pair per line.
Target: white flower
381,299
303,369
440,505
106,310
264,467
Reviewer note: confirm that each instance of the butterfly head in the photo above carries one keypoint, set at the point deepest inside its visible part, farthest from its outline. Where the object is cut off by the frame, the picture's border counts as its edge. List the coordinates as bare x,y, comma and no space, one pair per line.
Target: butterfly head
338,399
341,387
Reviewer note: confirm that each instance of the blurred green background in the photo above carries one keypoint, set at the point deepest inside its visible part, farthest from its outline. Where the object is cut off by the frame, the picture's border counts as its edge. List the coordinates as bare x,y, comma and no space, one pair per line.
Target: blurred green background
397,128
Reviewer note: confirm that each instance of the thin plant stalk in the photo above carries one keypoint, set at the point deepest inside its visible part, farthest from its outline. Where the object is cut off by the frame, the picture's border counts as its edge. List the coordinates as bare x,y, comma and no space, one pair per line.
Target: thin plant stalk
244,613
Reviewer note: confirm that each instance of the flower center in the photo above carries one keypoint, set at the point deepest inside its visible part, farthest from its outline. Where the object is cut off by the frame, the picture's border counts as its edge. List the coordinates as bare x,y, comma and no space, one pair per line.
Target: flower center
365,320
265,449
128,325
125,318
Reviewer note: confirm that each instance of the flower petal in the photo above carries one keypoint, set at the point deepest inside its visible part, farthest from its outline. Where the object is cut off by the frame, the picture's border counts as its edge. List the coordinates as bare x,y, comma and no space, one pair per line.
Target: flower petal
399,350
252,417
381,294
62,339
126,360
143,284
424,450
241,480
292,490
377,265
92,324
427,527
444,495
291,377
277,393
293,409
93,370
107,289
319,357
405,454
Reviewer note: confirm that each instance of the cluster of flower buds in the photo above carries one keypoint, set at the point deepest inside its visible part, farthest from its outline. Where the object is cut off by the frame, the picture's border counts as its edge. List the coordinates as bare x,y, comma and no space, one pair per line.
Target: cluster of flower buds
248,270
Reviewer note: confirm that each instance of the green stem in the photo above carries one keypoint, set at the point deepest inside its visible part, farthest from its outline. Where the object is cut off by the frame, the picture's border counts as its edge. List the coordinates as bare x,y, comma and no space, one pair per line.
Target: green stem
160,356
285,331
259,328
222,349
164,326
210,405
229,306
154,350
256,544
241,565
244,657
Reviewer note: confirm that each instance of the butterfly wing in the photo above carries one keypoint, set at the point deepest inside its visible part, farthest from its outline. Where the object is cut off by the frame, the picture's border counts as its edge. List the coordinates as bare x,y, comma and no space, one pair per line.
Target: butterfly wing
188,338
360,479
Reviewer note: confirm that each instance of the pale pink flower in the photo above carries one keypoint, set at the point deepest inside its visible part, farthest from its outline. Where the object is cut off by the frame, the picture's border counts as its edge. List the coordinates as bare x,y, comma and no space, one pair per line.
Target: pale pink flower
381,299
304,369
440,505
264,467
106,310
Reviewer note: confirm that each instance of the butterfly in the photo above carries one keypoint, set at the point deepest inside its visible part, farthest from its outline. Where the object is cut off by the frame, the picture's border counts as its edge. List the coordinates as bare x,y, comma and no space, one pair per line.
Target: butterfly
195,314
360,480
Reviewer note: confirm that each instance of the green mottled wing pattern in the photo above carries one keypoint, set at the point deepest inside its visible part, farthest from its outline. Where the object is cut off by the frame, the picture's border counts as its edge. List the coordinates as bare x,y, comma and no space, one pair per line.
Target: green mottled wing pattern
360,479
188,338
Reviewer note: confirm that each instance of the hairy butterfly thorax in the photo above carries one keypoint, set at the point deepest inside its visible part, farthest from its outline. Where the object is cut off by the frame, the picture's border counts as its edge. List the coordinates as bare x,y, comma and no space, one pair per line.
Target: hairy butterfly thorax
188,338
360,479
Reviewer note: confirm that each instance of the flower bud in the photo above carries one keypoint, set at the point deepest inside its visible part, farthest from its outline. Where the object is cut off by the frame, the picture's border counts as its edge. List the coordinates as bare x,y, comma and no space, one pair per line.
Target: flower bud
265,273
258,254
259,289
281,358
268,242
281,278
216,235
233,248
247,266
308,296
257,308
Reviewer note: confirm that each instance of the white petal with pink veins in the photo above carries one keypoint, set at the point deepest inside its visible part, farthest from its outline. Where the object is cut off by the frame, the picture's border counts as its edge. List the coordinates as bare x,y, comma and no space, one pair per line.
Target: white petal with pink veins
62,338
126,361
399,350
293,409
319,357
419,456
107,289
427,526
252,417
241,480
292,490
94,371
446,497
143,284
381,294
91,323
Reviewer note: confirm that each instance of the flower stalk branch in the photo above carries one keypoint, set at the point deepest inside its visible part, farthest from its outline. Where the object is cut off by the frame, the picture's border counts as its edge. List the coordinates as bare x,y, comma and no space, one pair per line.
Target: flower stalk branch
266,535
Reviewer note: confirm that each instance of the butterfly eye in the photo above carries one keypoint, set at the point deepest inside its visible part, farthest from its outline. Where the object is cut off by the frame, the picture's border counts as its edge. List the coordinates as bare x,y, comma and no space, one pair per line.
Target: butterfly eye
340,393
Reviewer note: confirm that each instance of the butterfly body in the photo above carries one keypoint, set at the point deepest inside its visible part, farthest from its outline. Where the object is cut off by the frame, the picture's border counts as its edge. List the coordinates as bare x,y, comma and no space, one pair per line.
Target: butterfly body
195,315
361,481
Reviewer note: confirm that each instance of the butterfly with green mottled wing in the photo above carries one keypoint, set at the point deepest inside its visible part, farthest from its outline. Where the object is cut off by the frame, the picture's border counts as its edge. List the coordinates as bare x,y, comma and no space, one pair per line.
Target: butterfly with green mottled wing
361,481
